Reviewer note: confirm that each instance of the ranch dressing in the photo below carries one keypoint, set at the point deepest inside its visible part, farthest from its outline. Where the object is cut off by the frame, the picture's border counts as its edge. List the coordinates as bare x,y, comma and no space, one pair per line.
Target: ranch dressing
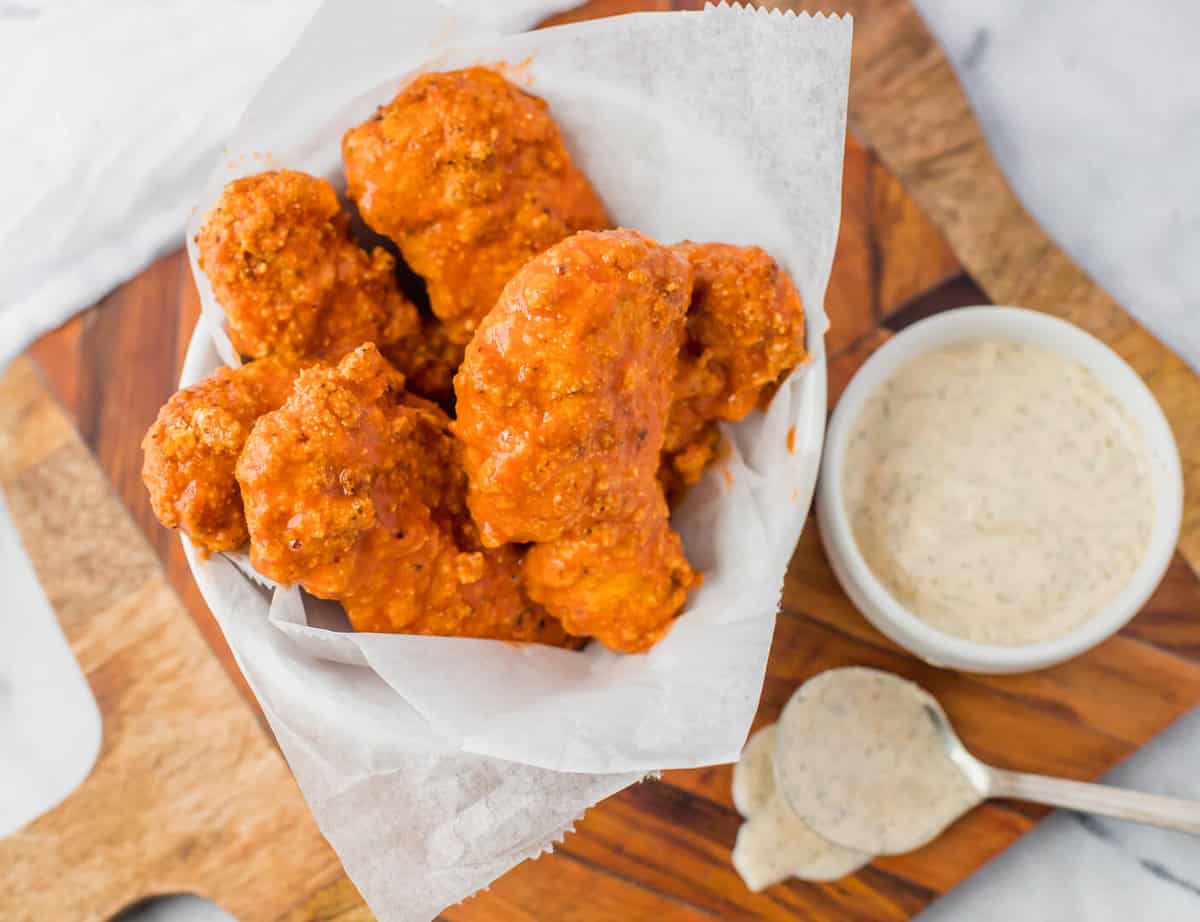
859,760
999,491
774,844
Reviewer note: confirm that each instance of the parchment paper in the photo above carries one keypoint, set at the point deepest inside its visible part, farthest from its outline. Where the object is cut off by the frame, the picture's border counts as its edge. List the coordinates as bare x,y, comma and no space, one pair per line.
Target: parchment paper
435,764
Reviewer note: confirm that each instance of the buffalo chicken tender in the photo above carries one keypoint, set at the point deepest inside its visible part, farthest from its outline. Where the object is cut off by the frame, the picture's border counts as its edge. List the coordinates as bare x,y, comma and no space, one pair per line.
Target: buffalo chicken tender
355,490
470,177
622,581
279,253
191,450
562,401
745,332
563,394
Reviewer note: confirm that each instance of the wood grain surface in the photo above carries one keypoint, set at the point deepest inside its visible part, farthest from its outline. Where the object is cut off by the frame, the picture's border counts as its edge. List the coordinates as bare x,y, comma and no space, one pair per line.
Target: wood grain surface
928,224
188,792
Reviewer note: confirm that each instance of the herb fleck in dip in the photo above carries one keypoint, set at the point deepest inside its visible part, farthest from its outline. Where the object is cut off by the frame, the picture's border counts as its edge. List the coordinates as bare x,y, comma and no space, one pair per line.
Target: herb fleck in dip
999,491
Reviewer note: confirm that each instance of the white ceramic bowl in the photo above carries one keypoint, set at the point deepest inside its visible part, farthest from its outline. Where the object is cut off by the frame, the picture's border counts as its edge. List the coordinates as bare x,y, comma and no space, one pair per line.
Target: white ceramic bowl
869,594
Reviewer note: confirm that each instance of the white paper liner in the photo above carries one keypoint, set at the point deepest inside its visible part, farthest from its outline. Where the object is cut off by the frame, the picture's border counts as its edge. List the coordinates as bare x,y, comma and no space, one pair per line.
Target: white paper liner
434,764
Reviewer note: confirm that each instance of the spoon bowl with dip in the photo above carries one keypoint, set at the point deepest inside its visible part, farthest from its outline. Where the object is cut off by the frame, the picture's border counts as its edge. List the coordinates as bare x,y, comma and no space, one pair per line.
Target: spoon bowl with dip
870,762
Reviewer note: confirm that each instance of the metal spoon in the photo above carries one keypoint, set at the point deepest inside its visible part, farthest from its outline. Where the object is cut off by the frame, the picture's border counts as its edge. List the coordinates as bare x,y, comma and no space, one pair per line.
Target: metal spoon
870,762
1101,799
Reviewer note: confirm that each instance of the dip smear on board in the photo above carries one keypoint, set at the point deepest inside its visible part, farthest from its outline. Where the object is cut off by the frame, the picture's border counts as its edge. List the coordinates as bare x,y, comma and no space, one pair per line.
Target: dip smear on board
999,491
775,844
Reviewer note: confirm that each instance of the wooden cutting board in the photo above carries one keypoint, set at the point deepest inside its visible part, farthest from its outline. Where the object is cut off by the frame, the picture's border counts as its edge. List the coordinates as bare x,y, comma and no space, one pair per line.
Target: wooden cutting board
189,794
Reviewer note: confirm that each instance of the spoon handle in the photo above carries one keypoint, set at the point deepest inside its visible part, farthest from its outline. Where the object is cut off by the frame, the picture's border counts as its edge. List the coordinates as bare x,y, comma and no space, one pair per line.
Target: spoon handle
1152,809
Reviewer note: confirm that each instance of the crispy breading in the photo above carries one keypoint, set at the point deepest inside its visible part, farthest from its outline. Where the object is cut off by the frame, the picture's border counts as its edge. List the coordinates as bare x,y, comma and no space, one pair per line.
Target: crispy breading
191,450
745,333
355,490
428,361
470,177
562,402
563,393
278,251
622,581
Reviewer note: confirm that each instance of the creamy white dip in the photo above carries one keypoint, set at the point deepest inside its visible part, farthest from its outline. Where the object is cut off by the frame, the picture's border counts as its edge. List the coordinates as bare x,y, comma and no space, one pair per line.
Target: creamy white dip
774,844
999,491
860,762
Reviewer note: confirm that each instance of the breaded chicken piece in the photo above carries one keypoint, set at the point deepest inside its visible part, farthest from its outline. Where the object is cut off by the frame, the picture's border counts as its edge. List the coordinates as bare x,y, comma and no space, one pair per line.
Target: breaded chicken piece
278,251
745,333
355,490
470,177
190,451
562,402
428,361
621,581
562,396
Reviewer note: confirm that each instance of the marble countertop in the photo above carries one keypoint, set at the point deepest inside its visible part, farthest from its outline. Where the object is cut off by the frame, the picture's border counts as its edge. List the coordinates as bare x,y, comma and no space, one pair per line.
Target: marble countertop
1092,108
1106,161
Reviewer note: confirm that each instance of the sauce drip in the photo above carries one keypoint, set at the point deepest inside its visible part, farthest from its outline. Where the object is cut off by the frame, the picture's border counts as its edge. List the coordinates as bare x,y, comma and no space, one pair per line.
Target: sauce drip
999,491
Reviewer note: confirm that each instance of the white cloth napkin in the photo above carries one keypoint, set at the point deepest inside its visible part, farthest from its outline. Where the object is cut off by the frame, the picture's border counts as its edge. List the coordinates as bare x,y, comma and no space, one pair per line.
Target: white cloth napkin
113,115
